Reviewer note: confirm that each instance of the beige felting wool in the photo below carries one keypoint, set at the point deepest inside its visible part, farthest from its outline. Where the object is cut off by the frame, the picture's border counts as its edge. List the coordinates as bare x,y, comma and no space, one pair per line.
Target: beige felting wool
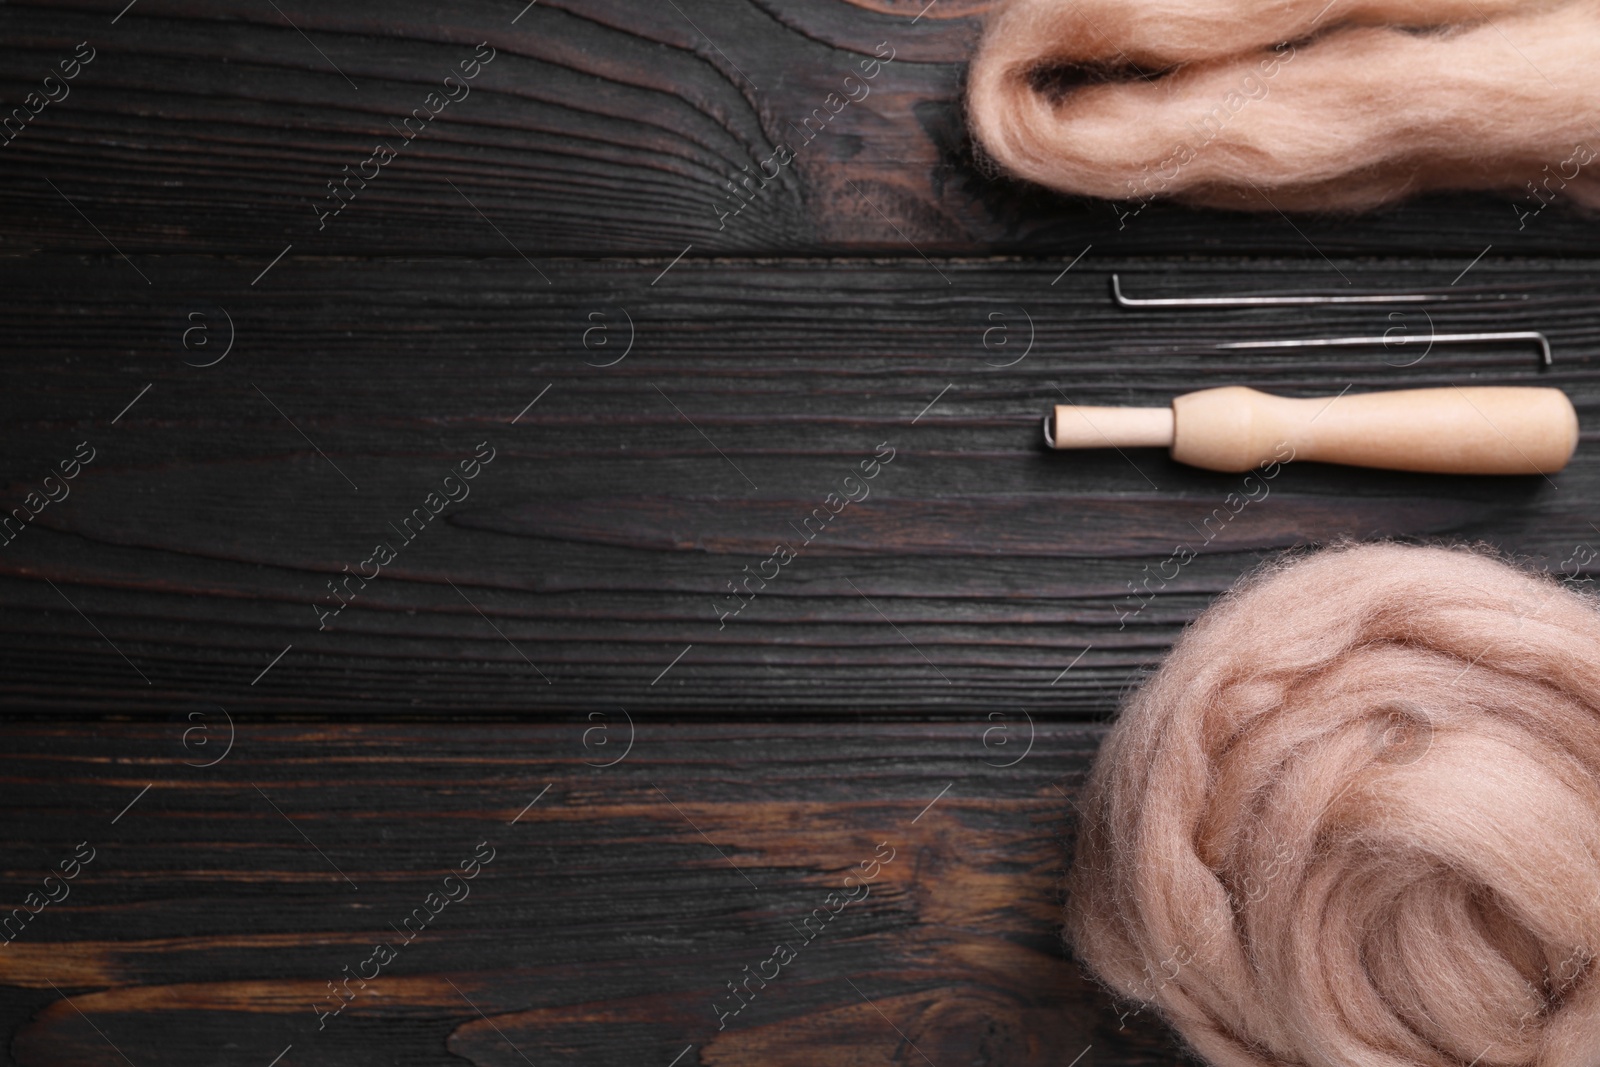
1354,820
1295,105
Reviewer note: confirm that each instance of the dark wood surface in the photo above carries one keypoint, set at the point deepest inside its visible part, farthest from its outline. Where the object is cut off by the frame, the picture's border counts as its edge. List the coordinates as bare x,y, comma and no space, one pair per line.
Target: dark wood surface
218,907
666,398
599,544
601,127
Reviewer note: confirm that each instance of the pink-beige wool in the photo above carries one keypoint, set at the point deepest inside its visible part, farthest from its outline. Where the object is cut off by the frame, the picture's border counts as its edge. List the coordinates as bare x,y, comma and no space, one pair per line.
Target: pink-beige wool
1354,820
1292,104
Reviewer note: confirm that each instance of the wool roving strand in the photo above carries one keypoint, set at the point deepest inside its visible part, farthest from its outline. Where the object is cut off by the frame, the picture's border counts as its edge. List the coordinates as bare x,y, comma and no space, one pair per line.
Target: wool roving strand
1354,819
1295,105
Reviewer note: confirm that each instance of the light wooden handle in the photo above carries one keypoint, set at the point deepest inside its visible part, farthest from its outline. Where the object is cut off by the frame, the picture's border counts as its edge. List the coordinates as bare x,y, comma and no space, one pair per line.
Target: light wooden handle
1472,430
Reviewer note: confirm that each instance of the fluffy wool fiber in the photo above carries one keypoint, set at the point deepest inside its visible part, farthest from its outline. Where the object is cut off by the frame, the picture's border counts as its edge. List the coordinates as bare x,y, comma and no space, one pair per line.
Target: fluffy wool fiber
1292,104
1354,820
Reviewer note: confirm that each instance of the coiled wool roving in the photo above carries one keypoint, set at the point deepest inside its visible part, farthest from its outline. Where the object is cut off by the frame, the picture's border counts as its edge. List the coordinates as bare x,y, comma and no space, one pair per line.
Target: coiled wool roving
1354,820
1292,104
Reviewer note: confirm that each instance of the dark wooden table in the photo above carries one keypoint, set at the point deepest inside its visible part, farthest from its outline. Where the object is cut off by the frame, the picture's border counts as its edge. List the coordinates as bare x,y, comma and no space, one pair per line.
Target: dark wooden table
237,778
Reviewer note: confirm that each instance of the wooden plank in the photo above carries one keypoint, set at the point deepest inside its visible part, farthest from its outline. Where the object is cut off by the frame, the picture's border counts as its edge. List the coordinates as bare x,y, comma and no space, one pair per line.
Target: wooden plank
192,559
222,901
600,127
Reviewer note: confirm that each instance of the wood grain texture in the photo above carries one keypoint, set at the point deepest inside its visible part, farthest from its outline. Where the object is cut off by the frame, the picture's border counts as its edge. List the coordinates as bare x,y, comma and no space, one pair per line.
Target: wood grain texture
601,127
542,272
222,901
601,542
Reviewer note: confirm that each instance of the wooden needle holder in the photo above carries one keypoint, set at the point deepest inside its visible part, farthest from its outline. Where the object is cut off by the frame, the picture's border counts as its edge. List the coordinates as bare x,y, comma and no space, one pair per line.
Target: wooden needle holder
1467,430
